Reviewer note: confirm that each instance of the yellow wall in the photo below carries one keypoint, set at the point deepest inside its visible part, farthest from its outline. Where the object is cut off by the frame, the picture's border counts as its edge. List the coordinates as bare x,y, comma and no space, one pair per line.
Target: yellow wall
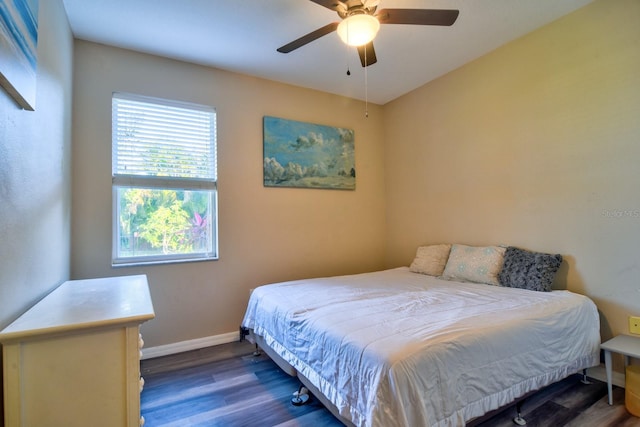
266,234
534,145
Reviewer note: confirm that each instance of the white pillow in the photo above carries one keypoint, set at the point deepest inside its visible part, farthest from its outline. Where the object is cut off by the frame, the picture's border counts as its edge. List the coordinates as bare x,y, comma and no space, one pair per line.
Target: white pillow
479,264
430,260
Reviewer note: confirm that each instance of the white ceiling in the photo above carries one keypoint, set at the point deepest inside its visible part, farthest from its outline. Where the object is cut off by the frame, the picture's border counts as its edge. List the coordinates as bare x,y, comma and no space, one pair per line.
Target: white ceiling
243,35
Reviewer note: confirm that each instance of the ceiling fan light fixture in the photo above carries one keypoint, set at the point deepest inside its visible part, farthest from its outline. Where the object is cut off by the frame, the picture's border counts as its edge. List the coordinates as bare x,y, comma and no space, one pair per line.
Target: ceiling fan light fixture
358,30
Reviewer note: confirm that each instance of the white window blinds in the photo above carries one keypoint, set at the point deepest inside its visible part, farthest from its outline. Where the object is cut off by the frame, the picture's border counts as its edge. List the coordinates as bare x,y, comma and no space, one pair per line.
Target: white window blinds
157,141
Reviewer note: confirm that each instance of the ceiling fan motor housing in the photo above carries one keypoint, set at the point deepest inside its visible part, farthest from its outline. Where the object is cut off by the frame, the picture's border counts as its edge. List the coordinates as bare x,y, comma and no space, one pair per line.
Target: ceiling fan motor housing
346,8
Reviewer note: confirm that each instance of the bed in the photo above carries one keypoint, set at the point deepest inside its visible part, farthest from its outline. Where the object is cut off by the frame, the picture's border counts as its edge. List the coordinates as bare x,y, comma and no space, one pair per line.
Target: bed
397,348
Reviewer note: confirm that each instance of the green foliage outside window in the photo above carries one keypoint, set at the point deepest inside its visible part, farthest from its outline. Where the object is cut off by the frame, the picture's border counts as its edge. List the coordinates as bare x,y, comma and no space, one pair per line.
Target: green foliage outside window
154,221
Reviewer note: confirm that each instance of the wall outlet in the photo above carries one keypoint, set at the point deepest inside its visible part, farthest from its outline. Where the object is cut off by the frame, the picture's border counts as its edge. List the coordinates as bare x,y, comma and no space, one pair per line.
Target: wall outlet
634,324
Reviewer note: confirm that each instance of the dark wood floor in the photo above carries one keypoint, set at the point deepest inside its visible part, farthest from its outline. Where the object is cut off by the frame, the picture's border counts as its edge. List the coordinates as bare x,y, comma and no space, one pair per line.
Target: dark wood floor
227,386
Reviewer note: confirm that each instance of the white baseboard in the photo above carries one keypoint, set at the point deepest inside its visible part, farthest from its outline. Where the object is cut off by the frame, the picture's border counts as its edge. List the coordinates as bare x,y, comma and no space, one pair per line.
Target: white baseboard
195,344
600,373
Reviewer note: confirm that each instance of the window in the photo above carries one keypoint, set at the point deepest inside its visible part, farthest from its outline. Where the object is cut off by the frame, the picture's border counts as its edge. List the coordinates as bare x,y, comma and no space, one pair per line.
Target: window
164,181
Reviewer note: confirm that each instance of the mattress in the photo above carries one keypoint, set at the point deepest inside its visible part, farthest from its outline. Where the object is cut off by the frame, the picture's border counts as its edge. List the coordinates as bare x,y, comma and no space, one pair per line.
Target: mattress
396,348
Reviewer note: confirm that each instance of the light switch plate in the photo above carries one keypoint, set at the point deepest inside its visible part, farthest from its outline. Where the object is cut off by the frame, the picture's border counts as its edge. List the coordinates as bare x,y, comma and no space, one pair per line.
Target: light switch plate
634,324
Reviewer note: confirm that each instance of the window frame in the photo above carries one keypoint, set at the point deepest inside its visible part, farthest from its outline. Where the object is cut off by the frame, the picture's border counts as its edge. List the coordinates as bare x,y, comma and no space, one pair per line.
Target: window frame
124,181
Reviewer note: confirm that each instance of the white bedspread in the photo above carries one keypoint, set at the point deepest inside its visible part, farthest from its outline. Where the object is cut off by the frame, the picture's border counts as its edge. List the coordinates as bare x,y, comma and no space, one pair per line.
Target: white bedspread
396,348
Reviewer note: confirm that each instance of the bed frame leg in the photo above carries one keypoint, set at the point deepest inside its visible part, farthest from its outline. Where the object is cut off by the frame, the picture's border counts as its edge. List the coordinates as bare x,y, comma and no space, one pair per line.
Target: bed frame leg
243,332
257,352
585,380
301,396
518,419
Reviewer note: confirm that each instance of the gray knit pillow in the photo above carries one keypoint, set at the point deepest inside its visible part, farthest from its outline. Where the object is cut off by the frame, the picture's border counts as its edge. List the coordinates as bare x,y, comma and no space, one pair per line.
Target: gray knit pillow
529,270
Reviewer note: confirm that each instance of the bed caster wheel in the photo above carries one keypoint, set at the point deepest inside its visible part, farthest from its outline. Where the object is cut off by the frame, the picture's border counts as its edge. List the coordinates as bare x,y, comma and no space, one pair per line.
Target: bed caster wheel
519,420
257,352
300,400
585,379
300,397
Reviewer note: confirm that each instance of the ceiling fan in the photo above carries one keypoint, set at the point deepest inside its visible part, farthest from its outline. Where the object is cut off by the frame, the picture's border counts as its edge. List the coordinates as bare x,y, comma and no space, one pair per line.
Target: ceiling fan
361,21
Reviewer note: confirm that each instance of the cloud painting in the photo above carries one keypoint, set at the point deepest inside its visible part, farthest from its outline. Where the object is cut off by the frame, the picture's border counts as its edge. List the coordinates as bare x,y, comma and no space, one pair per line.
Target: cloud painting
307,155
18,50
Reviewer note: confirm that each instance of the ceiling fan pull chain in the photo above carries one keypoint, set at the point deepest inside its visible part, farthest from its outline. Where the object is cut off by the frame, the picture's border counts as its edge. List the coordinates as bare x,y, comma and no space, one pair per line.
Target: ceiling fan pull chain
348,52
366,85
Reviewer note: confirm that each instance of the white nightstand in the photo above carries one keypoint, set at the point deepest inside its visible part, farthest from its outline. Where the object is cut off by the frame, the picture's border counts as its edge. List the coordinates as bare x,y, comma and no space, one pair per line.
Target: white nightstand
624,344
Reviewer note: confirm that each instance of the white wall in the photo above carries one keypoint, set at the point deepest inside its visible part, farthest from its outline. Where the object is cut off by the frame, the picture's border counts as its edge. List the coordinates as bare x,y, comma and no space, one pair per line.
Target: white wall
266,234
533,145
35,176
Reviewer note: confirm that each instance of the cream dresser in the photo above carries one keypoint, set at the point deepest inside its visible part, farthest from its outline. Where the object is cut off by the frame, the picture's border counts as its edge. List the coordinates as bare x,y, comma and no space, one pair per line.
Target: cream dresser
73,359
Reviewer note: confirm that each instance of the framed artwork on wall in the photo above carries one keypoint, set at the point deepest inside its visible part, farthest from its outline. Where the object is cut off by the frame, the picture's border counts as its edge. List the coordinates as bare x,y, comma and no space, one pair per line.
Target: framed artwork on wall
308,155
18,50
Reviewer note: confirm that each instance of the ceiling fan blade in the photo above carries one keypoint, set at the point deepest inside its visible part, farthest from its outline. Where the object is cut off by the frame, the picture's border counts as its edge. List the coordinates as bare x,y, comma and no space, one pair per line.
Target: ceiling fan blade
329,4
308,38
444,17
367,54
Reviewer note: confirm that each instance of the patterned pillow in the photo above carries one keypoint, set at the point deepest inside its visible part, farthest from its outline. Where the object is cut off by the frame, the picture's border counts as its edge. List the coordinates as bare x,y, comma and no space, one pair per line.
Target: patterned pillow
529,270
430,259
480,264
